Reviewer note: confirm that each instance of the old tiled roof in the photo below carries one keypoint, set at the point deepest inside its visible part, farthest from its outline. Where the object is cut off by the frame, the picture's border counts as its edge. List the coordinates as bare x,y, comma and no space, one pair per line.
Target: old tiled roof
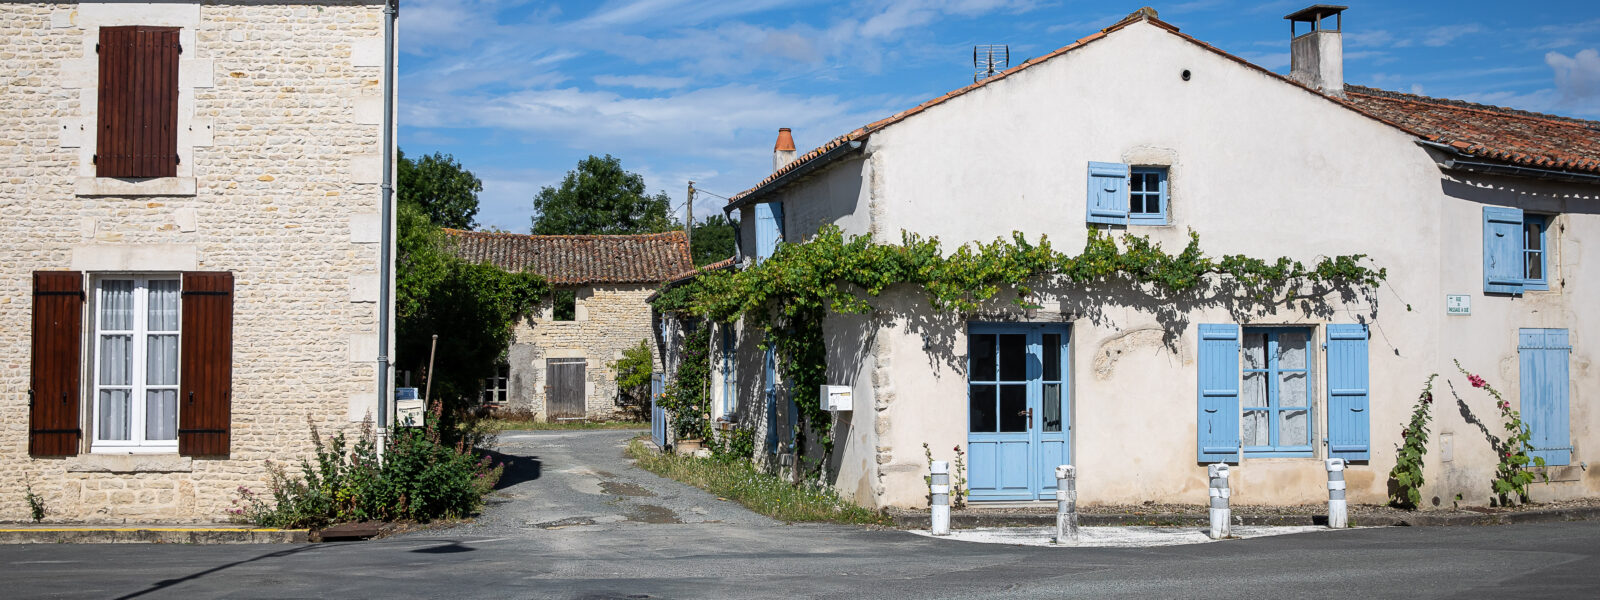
1492,132
1514,138
580,259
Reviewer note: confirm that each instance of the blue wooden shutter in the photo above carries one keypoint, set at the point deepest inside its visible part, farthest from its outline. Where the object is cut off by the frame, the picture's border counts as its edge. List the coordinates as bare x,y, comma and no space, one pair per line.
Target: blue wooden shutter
1108,193
1348,393
769,228
1218,424
1544,354
1502,250
770,388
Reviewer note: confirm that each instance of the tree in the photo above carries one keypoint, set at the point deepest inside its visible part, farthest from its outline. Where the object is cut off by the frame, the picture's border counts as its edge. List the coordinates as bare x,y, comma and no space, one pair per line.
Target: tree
446,192
600,198
712,240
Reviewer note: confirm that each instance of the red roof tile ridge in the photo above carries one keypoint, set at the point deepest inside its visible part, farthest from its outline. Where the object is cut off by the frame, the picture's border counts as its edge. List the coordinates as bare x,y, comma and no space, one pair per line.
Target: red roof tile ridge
1470,106
676,233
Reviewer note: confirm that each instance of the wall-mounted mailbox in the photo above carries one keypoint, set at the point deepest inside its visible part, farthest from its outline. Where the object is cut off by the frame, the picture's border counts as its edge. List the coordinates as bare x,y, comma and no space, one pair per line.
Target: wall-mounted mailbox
837,397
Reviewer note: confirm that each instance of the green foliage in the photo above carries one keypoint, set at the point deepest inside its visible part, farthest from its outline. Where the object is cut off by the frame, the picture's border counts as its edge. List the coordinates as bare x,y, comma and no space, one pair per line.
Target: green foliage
35,504
471,307
446,192
1406,477
633,372
1512,475
564,305
770,495
737,443
788,295
419,479
600,198
712,240
687,397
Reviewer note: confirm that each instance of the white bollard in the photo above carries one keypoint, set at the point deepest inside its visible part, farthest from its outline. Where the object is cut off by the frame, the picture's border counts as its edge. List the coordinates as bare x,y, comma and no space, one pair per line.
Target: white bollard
940,484
1220,514
1338,516
1066,504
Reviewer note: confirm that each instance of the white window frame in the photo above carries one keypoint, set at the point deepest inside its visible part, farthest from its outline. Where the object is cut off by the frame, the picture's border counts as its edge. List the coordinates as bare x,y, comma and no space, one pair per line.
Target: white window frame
136,444
495,386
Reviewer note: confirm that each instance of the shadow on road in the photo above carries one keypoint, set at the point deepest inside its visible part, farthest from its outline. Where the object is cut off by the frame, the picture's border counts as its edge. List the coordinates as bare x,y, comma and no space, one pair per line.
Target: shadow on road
518,468
166,583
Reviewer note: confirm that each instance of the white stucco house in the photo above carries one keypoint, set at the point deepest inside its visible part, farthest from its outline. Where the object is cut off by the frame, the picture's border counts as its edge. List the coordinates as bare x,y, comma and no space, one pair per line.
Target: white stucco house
1487,220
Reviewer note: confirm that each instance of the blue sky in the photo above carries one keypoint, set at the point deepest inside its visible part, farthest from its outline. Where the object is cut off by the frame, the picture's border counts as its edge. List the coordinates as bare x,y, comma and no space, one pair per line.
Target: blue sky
519,91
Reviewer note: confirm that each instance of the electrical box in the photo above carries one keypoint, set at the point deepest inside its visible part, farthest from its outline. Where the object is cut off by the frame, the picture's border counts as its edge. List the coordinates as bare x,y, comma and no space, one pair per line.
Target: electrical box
409,409
837,397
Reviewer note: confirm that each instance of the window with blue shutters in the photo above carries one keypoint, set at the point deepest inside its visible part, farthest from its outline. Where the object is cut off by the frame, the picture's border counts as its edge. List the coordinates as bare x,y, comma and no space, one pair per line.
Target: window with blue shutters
769,228
1544,354
1275,391
1108,193
1515,251
1349,392
1147,196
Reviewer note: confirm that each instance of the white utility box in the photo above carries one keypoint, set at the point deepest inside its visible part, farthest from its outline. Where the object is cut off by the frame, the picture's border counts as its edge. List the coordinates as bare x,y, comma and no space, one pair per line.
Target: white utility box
837,397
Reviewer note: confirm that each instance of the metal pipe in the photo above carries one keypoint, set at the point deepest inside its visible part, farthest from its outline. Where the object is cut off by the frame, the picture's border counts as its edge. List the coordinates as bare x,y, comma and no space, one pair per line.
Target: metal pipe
391,13
939,484
1220,514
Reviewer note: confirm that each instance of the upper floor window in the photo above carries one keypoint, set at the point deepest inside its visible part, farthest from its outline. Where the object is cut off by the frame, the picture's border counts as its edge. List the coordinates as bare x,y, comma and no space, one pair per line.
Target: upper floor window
566,305
1515,250
137,130
1123,195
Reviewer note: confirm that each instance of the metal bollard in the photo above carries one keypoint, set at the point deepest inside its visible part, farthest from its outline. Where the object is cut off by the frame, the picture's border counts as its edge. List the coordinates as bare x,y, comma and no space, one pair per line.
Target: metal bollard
940,482
1220,514
1066,504
1338,517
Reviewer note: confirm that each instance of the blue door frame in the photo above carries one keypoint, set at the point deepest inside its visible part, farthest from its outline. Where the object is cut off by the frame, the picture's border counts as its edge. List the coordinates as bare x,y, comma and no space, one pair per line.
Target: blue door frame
1018,409
658,415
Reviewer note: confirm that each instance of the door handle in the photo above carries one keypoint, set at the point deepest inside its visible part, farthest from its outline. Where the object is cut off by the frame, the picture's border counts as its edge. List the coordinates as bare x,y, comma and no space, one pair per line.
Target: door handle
1027,412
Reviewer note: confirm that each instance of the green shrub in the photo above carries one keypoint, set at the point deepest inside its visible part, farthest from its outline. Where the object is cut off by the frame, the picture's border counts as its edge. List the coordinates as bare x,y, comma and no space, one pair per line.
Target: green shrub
419,479
633,379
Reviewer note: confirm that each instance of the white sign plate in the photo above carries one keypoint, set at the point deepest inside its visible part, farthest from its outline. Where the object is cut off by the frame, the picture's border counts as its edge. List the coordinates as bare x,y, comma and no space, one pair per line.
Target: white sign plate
1457,304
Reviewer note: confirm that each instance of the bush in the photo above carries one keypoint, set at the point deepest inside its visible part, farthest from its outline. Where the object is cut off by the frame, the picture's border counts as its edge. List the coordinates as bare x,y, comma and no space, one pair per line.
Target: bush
419,479
633,380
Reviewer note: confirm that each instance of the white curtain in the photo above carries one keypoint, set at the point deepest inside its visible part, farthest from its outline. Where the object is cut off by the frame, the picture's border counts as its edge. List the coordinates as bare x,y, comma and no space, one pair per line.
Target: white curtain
163,311
115,356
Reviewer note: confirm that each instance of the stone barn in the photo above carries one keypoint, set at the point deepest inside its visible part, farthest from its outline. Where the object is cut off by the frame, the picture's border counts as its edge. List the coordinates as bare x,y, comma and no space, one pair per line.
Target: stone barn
559,364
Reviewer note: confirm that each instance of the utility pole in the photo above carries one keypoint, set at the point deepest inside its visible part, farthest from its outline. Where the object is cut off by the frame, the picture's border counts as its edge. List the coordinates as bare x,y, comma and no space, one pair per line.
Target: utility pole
688,226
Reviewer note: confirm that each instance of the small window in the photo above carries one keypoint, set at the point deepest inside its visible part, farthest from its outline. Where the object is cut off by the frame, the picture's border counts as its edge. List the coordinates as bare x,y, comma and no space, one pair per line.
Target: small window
1147,196
1275,391
135,364
1533,252
566,305
494,387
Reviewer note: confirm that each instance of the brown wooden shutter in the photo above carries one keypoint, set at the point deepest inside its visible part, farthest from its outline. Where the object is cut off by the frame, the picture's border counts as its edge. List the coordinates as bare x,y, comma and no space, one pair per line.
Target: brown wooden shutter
138,106
53,392
205,389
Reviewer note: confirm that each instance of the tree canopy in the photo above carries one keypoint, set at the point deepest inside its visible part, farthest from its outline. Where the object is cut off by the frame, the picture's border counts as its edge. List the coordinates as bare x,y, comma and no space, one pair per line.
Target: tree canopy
444,191
599,197
712,240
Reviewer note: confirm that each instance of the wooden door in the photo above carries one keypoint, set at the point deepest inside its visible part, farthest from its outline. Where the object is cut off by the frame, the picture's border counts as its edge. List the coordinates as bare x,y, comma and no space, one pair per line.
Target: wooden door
564,389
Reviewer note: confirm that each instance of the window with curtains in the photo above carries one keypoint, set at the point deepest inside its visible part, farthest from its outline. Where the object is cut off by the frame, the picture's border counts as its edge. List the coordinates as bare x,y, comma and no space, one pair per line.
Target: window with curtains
1275,390
135,363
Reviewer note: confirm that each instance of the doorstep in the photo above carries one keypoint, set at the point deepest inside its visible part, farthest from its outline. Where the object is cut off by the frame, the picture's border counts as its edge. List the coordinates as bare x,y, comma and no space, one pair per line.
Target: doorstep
1034,515
50,533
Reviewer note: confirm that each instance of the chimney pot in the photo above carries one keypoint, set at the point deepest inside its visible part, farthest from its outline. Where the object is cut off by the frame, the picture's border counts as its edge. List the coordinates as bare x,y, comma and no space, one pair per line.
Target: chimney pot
783,150
1316,57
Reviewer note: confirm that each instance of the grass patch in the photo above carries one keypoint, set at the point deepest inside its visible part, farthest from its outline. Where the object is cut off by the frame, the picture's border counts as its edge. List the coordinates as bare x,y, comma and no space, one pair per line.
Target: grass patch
498,425
742,482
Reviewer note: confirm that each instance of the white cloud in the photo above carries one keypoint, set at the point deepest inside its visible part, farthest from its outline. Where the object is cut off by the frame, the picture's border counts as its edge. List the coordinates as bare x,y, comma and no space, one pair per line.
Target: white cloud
1577,78
646,82
1444,35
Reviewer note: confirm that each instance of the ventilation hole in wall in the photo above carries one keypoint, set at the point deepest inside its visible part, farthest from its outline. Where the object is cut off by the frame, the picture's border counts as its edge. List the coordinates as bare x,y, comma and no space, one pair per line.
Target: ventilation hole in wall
1185,74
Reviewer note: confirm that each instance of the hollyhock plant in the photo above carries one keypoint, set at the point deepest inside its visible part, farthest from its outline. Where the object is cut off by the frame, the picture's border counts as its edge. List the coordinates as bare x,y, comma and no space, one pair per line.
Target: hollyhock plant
1512,475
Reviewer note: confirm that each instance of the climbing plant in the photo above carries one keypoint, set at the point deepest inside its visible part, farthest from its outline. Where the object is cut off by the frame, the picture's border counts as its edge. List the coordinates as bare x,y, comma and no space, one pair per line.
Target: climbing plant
1407,472
1512,475
687,396
787,295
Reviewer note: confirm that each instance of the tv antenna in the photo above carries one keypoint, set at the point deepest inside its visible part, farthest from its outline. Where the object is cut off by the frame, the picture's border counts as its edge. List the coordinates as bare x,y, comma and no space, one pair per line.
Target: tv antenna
989,59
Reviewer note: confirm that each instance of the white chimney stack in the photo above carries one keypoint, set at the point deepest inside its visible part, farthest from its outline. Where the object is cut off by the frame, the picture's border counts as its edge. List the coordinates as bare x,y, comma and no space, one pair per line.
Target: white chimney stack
1316,57
783,151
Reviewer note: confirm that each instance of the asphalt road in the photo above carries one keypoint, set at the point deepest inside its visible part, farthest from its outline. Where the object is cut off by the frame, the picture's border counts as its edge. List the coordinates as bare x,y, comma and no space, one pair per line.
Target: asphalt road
577,521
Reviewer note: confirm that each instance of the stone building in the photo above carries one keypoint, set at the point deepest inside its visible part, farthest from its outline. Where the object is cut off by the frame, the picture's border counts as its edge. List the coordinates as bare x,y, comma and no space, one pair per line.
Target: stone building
191,264
558,366
1487,220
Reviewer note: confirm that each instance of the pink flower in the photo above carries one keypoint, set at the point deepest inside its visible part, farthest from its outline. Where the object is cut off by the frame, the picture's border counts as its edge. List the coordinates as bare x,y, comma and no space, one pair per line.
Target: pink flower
1477,381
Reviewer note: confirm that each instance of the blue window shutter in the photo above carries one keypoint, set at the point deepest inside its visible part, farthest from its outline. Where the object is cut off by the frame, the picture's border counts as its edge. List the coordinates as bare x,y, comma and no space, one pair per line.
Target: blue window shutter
1218,424
1349,393
768,228
1502,250
769,386
1108,193
1544,354
777,221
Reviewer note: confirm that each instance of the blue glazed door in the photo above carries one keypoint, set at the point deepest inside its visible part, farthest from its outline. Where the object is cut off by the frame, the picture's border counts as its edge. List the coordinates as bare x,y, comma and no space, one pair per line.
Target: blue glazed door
1018,413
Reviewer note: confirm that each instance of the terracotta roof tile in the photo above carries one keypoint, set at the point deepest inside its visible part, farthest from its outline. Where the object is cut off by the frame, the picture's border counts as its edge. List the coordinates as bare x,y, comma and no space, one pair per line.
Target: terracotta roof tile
580,259
1492,132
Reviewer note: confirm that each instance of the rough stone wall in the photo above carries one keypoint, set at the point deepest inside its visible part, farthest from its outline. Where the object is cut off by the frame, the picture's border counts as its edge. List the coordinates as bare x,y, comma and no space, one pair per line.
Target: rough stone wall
283,146
610,319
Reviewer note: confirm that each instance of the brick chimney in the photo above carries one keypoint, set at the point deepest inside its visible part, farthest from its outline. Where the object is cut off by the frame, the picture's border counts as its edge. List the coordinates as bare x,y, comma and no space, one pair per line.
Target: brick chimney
783,151
1316,57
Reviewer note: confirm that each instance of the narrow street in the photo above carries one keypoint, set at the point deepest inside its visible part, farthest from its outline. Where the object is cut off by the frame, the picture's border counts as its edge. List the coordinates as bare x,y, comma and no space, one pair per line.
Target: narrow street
576,520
